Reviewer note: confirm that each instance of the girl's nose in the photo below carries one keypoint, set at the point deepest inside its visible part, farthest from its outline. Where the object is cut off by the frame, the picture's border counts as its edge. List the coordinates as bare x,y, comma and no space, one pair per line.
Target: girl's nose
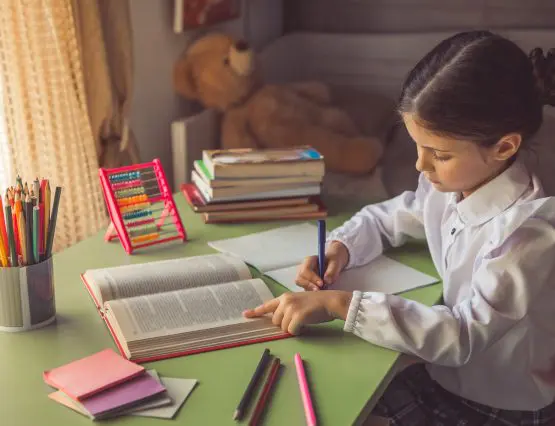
422,164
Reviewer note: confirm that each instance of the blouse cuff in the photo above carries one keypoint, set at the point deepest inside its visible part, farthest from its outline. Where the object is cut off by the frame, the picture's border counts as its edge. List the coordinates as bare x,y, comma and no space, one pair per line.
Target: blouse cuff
353,311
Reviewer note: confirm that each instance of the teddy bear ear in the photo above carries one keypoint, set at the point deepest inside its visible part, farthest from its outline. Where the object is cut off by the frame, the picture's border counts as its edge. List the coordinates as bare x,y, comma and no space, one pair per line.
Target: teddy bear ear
183,80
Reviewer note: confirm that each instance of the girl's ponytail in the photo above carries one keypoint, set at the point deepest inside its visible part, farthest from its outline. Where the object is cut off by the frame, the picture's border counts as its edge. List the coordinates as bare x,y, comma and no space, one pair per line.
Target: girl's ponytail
544,72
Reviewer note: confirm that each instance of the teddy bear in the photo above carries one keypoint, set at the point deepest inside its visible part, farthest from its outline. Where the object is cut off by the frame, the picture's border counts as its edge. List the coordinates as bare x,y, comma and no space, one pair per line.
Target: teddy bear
220,72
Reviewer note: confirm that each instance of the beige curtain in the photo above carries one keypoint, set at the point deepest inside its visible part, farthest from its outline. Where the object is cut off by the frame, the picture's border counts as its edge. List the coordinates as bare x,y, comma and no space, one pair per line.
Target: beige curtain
65,74
104,37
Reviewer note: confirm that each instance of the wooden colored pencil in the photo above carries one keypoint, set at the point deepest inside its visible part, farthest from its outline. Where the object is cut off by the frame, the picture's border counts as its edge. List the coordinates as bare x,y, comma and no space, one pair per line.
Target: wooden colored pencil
29,229
261,403
15,215
46,211
11,236
36,187
52,224
3,245
4,257
22,236
43,213
3,232
310,414
3,239
247,395
36,224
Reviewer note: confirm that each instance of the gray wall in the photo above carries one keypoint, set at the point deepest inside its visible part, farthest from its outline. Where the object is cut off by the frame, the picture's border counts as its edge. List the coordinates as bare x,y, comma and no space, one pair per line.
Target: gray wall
353,16
155,104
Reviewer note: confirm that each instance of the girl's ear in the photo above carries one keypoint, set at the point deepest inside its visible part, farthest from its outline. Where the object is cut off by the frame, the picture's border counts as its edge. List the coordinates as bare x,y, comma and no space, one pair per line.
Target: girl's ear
507,146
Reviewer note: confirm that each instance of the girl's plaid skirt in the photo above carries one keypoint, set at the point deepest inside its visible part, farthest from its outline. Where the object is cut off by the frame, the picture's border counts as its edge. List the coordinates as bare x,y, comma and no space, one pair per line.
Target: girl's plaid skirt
413,398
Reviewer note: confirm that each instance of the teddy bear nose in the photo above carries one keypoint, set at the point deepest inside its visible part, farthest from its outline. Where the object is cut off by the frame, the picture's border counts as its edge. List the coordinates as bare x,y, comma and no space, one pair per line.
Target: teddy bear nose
241,46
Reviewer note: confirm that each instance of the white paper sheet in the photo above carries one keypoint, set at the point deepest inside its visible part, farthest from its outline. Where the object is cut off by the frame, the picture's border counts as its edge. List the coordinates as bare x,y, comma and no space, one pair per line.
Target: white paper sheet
274,249
382,274
178,390
277,253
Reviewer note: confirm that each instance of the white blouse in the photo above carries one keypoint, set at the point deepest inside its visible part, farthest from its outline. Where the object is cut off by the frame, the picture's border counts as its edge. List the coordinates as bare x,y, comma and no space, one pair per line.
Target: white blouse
493,339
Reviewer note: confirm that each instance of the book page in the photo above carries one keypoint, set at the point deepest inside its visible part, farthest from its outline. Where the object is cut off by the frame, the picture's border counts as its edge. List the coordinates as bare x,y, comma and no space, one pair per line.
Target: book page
275,249
167,275
183,311
383,275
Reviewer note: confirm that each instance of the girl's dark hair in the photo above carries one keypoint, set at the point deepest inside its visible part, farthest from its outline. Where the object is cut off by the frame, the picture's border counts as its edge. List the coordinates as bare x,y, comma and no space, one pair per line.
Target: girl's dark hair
480,86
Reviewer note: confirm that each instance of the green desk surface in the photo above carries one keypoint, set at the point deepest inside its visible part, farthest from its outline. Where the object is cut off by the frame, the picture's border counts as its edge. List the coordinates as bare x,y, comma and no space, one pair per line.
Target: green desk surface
344,370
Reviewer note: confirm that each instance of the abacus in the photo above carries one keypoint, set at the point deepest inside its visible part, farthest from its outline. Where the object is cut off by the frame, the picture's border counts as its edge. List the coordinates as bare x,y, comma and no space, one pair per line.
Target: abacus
139,201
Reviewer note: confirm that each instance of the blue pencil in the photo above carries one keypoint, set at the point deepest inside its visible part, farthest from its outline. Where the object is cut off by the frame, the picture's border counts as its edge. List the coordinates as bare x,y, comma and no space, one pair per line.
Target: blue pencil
321,247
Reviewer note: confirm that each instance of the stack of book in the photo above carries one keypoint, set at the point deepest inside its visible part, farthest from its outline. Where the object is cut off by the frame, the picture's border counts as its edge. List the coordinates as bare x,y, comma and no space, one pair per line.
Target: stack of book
243,185
105,385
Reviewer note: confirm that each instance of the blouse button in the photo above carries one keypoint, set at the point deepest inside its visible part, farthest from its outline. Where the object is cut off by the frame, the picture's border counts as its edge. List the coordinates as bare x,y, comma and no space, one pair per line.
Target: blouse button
453,231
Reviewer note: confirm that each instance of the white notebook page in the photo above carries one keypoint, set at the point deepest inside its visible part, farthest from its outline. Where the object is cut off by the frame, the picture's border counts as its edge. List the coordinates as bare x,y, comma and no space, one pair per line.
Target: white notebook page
382,274
273,249
277,253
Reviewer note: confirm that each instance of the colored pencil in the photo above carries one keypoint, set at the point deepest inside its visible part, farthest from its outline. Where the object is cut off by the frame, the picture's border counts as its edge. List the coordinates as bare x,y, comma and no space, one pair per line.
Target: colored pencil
36,224
15,215
305,392
46,211
3,232
254,379
261,403
22,236
11,236
29,229
43,214
52,223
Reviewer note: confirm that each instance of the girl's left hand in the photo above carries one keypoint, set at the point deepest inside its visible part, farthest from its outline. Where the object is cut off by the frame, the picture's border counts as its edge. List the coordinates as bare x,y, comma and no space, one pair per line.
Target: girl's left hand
293,310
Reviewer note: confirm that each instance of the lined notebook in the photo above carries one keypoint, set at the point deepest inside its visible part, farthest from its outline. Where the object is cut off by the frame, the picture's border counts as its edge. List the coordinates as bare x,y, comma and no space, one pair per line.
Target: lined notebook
279,252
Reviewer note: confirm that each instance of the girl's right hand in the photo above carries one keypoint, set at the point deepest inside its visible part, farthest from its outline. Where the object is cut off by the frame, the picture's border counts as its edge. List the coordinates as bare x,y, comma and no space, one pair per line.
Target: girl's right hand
337,257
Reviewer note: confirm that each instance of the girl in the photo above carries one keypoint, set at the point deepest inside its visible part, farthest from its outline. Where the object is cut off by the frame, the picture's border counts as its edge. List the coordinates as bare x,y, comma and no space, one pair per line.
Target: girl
469,105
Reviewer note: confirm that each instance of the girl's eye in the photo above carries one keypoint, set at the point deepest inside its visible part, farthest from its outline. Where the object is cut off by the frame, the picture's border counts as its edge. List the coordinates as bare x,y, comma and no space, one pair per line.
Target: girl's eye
441,157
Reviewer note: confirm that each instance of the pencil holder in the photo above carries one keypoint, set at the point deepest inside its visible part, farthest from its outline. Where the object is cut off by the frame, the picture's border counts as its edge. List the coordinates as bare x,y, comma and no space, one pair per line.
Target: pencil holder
27,297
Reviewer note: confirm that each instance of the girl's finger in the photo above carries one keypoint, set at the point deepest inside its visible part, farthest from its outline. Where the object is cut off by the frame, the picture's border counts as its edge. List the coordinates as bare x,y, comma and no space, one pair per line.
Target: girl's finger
287,317
307,285
295,325
332,272
269,306
310,276
277,316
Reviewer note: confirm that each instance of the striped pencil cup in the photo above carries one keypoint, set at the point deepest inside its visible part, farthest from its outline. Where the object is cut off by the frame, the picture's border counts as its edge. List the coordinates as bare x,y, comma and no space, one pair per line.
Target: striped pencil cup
27,297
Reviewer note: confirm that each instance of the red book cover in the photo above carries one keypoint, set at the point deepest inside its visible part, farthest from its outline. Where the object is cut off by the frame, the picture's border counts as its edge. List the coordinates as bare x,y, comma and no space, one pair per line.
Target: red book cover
174,354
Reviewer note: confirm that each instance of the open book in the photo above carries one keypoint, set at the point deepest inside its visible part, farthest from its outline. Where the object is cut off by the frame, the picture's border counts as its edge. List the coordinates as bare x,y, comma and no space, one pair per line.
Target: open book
279,252
181,306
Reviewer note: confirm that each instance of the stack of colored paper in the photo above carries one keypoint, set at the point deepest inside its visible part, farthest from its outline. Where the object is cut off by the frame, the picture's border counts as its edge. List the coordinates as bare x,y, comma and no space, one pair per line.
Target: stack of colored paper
105,385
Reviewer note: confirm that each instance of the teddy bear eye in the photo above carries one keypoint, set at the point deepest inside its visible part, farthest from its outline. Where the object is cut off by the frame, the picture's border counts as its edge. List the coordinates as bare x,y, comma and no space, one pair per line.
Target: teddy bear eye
226,61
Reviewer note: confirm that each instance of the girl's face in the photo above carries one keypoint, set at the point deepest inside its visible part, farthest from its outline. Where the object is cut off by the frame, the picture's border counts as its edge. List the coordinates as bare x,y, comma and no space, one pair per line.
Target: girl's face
453,165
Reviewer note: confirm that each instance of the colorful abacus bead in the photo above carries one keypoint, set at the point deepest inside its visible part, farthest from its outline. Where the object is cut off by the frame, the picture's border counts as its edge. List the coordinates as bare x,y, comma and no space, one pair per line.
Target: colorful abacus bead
125,176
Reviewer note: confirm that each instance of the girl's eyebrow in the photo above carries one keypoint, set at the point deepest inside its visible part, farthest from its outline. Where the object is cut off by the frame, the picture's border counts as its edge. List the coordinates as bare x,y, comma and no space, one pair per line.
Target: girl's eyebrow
435,149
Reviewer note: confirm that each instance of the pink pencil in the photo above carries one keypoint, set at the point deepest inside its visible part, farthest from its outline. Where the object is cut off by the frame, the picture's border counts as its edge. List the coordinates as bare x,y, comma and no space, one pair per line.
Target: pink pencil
305,392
